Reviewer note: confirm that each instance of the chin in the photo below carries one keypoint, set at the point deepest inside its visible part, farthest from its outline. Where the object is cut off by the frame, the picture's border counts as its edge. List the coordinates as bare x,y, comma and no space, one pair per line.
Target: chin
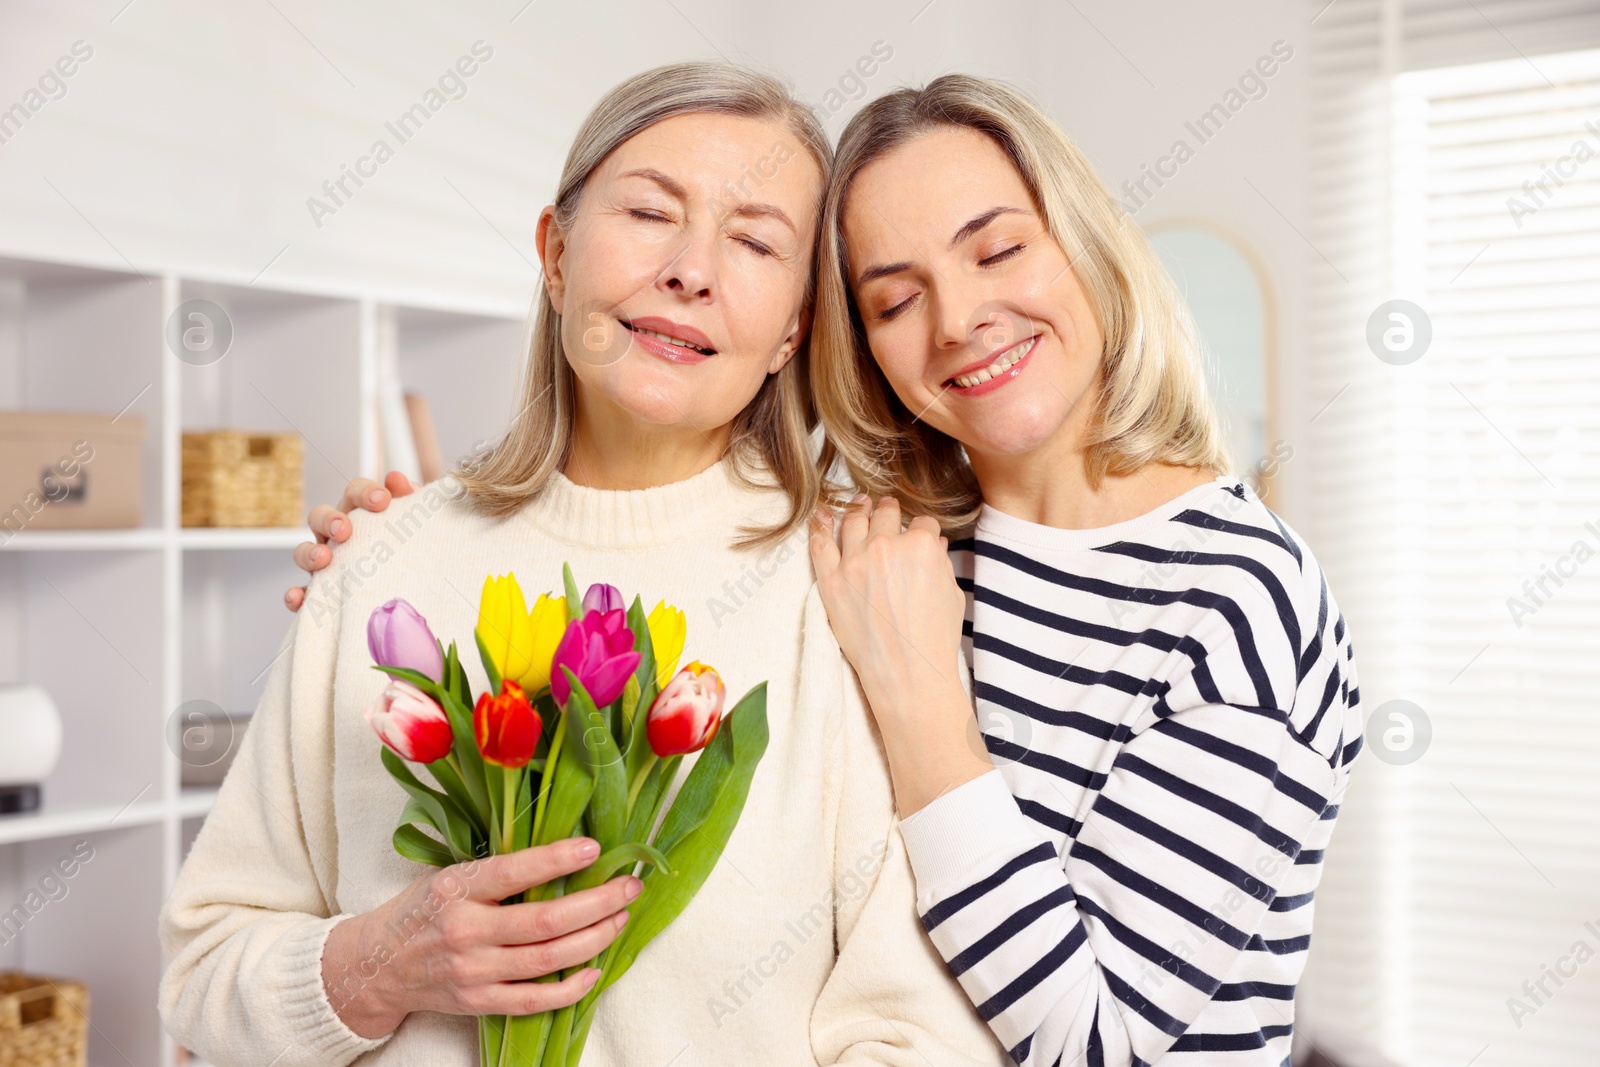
1014,430
655,398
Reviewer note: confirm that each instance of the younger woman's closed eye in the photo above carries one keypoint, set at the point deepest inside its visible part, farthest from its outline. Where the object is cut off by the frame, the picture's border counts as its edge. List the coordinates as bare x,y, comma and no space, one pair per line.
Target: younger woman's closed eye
891,312
1001,257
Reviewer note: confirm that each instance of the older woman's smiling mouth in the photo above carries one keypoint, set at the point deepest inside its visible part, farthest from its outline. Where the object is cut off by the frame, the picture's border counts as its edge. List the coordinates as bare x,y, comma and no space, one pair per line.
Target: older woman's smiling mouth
670,340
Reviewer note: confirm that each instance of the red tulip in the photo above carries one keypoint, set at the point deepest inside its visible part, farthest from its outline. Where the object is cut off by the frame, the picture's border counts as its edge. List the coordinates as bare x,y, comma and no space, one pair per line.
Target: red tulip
506,726
408,721
686,714
598,649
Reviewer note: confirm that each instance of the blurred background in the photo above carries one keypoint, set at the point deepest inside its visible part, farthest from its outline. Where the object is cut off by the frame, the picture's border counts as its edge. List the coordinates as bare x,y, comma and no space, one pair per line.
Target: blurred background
220,299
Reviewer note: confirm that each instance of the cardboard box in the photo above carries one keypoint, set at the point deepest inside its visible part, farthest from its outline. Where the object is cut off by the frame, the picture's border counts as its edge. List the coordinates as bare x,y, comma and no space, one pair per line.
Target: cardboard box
69,470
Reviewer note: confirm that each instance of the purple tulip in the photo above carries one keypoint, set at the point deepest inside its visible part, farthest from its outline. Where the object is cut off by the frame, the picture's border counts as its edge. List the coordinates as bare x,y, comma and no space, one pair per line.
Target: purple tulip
598,649
602,597
397,636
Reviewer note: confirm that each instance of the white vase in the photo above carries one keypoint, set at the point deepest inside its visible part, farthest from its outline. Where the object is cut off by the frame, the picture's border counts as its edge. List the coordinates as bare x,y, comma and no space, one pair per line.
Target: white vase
30,744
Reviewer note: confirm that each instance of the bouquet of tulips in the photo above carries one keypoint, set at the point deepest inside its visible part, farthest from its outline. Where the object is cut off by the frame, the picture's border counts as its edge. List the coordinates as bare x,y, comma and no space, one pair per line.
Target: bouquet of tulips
580,731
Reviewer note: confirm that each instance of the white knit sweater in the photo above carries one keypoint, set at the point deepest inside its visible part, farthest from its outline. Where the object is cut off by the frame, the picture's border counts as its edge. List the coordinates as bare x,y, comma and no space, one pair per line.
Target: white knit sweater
802,947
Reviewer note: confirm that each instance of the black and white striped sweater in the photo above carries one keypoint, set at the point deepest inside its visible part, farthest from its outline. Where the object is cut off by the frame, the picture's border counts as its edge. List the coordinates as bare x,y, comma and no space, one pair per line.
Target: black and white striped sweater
1172,705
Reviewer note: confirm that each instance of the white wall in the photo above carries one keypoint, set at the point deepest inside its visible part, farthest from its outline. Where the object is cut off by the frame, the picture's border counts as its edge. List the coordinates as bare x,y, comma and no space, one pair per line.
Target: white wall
196,132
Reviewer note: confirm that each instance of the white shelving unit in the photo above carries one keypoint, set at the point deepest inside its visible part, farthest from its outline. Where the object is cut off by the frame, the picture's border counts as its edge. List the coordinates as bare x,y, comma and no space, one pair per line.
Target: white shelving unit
125,626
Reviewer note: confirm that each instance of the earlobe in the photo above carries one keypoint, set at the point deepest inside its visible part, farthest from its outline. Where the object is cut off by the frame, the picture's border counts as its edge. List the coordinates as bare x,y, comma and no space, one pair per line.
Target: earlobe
551,244
791,344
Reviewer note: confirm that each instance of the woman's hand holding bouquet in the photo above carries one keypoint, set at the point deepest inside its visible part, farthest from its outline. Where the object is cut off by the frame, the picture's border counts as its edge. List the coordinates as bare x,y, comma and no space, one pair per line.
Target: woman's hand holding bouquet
580,732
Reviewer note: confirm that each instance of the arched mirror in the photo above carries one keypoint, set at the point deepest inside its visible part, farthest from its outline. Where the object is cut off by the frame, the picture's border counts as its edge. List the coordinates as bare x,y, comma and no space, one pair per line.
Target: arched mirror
1232,309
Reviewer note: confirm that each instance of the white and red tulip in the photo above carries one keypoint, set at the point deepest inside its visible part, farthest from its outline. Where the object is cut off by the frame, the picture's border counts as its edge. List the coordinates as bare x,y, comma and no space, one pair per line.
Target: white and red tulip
686,714
408,721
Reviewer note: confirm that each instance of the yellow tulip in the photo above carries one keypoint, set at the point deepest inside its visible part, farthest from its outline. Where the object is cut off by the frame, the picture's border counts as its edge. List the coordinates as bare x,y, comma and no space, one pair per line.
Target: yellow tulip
505,627
667,628
548,621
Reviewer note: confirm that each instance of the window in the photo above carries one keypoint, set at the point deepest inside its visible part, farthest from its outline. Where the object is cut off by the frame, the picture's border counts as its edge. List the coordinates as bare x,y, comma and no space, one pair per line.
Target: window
1457,473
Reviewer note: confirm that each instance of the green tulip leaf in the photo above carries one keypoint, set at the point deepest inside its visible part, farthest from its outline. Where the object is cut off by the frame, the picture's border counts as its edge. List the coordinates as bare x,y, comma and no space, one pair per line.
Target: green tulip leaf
574,601
608,807
721,794
415,845
572,784
488,663
462,687
549,715
473,768
695,801
613,860
440,811
416,678
647,804
454,788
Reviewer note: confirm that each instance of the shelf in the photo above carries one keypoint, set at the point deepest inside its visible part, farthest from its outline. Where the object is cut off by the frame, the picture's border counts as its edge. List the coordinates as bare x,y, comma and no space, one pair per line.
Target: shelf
67,819
206,539
211,538
126,626
83,540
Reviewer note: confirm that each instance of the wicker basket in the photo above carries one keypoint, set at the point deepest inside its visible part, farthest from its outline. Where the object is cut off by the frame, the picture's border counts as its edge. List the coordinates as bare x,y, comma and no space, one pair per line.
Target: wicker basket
44,1022
235,478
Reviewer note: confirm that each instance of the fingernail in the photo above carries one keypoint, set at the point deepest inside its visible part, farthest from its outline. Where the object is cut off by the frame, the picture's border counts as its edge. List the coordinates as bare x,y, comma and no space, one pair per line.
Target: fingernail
335,527
859,498
621,919
374,497
591,976
633,888
588,849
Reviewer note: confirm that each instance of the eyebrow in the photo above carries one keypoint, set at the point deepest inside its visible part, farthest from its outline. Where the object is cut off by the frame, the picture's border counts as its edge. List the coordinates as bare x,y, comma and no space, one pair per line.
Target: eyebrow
765,211
978,222
968,228
746,210
671,185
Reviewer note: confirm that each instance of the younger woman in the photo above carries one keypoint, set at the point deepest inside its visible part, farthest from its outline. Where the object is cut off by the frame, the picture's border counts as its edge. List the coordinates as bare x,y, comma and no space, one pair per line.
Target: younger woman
1122,871
661,445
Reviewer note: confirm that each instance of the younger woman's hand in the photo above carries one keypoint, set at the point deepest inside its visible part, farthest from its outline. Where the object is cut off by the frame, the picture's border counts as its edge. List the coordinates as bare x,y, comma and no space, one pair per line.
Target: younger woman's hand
333,525
895,607
892,599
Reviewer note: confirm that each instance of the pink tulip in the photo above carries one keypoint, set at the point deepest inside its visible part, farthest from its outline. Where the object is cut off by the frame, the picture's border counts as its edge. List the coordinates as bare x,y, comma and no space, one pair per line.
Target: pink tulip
602,597
397,636
598,649
686,714
408,721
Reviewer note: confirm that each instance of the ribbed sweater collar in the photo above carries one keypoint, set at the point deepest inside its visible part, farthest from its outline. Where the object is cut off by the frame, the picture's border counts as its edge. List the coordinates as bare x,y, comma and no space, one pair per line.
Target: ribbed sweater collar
639,518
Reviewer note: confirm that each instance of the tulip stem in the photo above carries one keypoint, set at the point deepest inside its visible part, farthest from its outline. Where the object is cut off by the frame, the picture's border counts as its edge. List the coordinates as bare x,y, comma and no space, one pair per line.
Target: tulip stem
638,780
512,778
550,761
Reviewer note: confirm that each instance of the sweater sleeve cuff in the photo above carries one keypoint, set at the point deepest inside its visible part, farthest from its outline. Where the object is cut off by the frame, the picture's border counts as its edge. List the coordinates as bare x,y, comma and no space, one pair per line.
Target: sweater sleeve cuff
321,1034
964,835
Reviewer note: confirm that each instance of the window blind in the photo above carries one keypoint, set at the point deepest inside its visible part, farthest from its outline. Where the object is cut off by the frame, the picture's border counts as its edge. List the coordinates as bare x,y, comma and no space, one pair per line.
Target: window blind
1458,515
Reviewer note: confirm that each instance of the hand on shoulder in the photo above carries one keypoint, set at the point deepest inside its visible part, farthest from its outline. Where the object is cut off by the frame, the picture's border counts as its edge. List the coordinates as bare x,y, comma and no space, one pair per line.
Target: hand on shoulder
331,526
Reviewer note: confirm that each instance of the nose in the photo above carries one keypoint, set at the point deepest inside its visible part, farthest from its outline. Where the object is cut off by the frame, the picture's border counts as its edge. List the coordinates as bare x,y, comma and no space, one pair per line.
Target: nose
691,273
952,318
965,320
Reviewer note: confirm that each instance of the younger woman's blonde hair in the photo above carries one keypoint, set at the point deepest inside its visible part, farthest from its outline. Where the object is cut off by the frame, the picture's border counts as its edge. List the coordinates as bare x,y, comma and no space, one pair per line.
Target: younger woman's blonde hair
1151,404
771,438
